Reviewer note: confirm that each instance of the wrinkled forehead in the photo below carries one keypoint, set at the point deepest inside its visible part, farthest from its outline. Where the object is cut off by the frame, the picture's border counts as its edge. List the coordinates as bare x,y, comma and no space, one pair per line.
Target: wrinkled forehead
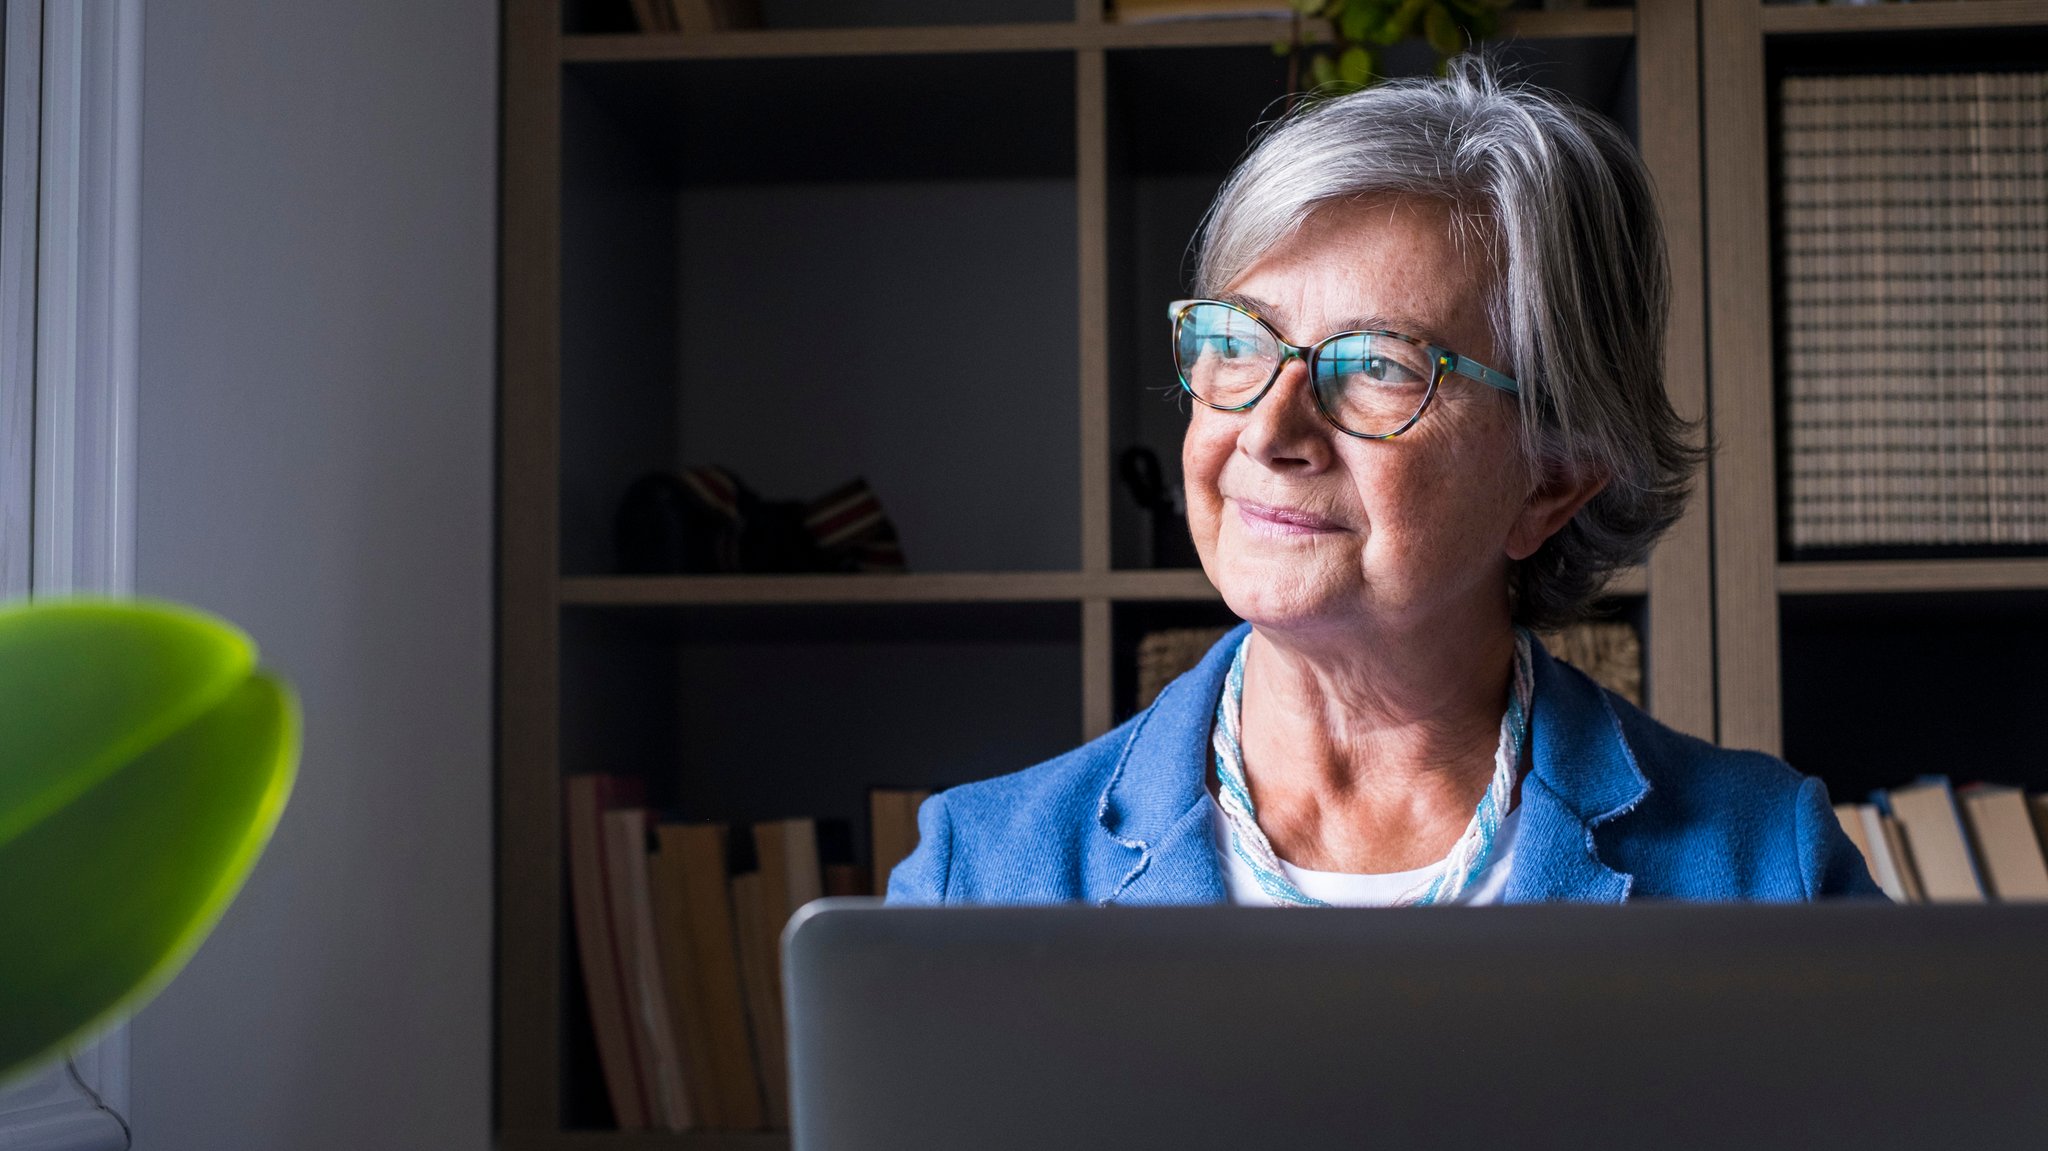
1395,263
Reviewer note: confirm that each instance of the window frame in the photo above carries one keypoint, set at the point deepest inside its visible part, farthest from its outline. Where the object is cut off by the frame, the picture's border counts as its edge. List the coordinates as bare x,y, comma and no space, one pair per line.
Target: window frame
70,158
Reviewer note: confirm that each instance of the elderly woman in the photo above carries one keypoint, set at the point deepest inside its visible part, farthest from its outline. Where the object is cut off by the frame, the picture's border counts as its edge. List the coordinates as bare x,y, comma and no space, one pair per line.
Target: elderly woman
1430,417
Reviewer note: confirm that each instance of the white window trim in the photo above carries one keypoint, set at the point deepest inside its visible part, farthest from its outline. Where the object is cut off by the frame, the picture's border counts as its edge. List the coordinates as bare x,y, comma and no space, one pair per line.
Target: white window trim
69,223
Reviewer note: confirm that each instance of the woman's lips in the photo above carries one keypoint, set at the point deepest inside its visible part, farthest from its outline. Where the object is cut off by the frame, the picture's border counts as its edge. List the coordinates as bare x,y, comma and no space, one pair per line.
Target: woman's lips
1267,520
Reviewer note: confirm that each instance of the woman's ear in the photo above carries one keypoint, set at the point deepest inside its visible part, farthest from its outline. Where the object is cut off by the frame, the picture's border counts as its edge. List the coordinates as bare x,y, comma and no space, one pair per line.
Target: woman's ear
1560,491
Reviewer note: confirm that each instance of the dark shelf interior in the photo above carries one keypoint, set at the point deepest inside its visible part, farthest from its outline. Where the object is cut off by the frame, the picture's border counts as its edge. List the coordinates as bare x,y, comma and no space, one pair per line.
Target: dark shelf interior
750,713
840,315
1878,689
996,115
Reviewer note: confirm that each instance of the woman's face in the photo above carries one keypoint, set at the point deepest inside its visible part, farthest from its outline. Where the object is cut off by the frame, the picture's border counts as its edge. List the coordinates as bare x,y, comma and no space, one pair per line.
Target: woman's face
1306,529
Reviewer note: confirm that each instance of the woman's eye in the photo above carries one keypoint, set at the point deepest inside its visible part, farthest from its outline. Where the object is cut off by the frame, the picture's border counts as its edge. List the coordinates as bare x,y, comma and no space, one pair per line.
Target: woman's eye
1389,371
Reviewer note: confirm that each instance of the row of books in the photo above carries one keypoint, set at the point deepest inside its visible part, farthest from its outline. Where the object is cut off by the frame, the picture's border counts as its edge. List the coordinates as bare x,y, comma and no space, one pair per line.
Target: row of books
1914,267
696,17
1932,843
678,929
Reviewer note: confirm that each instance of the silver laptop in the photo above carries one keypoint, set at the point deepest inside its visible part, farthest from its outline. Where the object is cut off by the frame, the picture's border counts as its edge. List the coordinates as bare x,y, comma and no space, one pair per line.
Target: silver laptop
1654,1026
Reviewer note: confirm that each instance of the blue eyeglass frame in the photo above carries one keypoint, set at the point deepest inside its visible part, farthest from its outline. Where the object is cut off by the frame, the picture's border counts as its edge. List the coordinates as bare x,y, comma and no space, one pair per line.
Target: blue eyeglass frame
1444,360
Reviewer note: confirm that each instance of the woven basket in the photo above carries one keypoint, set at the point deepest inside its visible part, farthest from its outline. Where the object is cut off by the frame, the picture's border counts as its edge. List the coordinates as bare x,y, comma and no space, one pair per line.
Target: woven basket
1609,651
1164,655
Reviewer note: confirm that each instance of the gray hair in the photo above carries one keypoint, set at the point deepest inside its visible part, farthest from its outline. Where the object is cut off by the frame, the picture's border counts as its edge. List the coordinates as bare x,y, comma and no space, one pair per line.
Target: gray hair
1560,205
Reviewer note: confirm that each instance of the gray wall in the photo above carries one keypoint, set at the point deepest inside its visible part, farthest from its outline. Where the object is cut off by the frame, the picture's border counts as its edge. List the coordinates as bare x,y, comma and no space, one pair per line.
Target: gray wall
316,412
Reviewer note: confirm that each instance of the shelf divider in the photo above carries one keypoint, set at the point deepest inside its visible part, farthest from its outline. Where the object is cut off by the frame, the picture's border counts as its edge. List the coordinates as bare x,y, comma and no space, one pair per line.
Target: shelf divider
1681,608
1928,15
1845,577
529,951
1738,211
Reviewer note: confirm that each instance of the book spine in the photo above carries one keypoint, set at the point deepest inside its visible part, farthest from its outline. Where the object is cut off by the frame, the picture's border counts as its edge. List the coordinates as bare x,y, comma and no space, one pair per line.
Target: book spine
688,1007
764,1011
654,1041
603,977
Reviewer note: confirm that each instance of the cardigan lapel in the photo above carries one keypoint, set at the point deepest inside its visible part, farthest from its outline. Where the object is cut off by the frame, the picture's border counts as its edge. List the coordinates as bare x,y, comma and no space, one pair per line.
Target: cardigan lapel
1582,775
1154,814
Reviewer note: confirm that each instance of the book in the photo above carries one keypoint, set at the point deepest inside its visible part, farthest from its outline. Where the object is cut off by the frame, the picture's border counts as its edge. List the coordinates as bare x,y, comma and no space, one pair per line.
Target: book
690,17
892,829
655,1050
688,1005
1877,842
2002,826
1850,816
1934,833
764,1011
604,977
790,875
1901,854
652,16
694,901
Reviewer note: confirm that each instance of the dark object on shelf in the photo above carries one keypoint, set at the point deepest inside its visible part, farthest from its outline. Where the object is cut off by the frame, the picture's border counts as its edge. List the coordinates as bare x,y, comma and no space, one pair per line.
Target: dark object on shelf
1172,547
707,521
662,530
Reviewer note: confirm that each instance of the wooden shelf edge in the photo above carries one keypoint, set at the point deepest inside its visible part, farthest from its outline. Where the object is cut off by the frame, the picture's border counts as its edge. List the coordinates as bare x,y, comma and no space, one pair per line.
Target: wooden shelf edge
1934,575
643,1141
914,588
1925,15
1048,36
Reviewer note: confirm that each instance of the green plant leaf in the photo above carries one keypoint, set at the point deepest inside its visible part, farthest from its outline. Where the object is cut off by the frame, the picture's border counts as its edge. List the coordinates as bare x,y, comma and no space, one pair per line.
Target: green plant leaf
1323,70
1443,32
106,893
1354,67
1282,47
85,684
1401,23
1351,24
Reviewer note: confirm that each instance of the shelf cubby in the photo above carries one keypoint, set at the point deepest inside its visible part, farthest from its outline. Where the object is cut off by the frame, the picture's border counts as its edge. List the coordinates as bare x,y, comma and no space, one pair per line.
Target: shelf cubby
1883,687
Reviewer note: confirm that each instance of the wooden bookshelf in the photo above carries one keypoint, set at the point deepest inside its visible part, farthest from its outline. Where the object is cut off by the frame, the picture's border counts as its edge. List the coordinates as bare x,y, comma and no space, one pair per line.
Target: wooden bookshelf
594,148
1745,46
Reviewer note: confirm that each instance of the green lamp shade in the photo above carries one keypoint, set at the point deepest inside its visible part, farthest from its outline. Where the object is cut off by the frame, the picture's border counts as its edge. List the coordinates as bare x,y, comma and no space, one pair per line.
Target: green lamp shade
144,761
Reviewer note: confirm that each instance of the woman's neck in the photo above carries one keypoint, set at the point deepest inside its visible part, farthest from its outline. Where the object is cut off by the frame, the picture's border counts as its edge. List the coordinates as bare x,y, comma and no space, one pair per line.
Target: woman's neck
1369,755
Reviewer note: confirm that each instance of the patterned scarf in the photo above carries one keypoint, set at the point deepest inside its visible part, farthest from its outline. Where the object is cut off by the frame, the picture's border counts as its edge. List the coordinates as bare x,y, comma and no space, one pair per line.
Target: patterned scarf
1468,857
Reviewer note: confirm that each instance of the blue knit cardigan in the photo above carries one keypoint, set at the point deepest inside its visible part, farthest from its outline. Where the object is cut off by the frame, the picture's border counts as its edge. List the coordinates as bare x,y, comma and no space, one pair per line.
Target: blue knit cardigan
1616,807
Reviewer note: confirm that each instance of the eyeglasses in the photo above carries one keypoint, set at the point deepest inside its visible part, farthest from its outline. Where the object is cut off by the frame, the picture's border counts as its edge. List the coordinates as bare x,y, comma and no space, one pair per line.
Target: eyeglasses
1373,385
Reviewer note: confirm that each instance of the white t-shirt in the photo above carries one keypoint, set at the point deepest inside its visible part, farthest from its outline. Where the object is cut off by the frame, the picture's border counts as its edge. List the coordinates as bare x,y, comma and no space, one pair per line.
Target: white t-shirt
1343,889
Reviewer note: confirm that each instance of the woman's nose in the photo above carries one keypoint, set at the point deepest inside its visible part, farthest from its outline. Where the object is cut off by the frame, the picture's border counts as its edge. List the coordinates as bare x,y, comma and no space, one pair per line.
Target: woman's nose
1284,431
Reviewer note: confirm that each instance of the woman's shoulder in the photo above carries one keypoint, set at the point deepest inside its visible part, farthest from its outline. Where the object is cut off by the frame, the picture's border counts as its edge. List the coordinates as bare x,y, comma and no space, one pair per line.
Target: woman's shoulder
1728,823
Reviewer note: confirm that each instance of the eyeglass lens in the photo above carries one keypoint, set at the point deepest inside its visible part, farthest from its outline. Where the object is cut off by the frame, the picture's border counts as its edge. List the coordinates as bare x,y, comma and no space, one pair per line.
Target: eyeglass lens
1369,384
